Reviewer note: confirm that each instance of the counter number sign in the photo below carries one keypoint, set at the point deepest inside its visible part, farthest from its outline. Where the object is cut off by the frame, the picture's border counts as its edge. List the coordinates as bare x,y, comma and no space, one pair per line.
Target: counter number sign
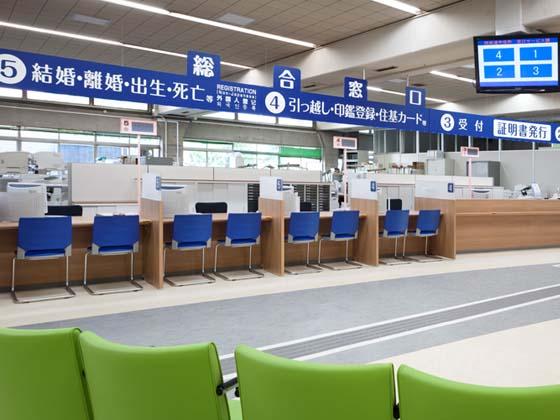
12,69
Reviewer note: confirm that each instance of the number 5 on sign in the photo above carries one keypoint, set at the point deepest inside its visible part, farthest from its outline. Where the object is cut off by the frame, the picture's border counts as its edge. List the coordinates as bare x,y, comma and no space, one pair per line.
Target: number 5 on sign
275,102
12,69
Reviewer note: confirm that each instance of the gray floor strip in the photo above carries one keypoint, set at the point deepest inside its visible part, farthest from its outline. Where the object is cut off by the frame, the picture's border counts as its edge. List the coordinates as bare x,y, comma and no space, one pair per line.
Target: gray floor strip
321,345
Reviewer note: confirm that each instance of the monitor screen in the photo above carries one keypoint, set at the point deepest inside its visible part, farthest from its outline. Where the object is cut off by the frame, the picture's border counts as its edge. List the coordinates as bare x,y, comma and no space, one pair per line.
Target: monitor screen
522,63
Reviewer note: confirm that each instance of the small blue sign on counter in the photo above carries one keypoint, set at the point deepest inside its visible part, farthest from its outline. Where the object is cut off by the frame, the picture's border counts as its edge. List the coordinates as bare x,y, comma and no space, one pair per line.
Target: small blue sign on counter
373,186
451,187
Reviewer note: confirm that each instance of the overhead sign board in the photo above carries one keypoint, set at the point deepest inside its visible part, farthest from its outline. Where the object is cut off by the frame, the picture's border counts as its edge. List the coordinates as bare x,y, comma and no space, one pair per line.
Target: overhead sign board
138,127
470,152
349,143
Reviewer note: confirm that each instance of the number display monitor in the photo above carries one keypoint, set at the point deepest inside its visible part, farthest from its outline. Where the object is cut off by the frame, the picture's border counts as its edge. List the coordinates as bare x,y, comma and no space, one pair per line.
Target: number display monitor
522,63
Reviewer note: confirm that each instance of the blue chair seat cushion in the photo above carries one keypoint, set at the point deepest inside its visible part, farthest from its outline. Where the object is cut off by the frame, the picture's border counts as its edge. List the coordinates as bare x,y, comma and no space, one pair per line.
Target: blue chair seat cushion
427,233
239,242
302,238
340,236
393,234
189,245
117,249
46,253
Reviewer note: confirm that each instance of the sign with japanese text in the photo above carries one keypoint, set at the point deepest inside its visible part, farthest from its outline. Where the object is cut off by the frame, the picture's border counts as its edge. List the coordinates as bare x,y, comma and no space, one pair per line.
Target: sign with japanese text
202,88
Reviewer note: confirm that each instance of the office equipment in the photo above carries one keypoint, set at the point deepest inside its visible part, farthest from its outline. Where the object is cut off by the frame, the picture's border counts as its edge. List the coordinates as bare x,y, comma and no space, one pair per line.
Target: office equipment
65,211
26,200
177,199
43,238
190,232
344,227
427,226
114,235
14,162
305,206
303,228
394,204
516,63
46,161
242,230
396,227
219,207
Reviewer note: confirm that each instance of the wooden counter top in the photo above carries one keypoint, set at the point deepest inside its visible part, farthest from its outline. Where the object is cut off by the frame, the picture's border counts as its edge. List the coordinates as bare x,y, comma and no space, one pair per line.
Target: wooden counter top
217,218
77,221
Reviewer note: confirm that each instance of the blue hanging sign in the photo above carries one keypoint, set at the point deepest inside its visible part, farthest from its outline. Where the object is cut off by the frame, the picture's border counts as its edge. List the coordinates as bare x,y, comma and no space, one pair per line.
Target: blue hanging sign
415,97
202,88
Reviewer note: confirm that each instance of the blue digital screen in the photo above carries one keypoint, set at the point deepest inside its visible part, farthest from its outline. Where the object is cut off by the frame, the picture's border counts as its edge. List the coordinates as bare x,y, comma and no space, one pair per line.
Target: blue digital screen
516,63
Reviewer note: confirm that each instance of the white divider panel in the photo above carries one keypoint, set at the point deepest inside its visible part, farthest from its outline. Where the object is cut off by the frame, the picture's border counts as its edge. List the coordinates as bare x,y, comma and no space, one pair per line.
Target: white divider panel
103,183
229,174
151,187
435,189
182,173
365,189
296,176
271,187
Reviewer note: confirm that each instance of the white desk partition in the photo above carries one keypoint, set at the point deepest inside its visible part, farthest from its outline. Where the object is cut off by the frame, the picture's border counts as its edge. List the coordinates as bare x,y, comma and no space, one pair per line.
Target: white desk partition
297,176
151,187
442,190
271,187
182,173
365,189
239,174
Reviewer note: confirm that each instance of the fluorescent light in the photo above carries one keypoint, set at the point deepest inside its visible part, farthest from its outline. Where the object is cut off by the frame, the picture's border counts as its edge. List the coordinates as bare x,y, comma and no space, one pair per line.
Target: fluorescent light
221,115
11,93
392,92
295,122
160,11
257,119
452,76
395,4
111,103
104,41
57,97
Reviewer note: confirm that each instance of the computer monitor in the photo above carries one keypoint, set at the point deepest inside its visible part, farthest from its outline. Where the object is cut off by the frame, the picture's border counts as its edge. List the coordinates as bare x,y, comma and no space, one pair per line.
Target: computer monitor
14,162
26,200
177,199
49,161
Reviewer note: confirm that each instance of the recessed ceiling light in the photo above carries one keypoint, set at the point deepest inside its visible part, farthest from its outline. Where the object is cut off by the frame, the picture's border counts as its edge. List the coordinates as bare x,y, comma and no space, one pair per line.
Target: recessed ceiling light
395,4
90,19
161,11
236,19
392,92
452,76
105,41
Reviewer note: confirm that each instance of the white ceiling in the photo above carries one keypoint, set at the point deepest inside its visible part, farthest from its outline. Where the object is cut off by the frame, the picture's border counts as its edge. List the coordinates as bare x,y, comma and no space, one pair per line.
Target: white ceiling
318,21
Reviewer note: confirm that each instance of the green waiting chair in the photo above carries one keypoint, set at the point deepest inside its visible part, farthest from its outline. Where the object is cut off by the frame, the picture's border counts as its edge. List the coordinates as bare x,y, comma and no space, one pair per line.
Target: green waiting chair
147,383
41,375
274,388
423,397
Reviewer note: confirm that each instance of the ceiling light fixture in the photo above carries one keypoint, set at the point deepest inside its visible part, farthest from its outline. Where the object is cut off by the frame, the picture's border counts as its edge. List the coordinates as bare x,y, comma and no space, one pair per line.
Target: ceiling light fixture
395,4
160,11
452,76
392,92
105,41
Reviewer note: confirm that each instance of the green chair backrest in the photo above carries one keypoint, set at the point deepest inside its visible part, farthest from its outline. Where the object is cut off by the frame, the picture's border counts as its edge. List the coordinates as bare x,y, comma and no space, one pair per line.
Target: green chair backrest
149,383
274,388
426,397
41,375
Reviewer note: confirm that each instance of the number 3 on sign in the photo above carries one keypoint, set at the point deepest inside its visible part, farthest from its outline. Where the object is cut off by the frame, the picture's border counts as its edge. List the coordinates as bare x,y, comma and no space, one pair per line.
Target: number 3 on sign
12,69
275,102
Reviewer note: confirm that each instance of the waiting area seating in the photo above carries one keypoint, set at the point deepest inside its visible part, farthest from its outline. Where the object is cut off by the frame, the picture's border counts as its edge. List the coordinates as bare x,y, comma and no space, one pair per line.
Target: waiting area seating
303,228
396,227
344,228
67,374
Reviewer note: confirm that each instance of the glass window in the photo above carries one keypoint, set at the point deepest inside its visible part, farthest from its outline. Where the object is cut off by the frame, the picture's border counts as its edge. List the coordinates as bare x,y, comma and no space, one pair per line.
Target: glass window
219,146
8,131
39,134
8,146
152,141
194,158
116,139
249,158
245,147
77,153
33,147
111,153
268,148
110,103
218,159
194,145
77,136
267,160
56,97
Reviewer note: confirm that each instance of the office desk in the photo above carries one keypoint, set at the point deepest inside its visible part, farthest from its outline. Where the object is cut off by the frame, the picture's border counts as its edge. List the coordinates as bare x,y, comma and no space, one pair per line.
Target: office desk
35,273
228,258
506,224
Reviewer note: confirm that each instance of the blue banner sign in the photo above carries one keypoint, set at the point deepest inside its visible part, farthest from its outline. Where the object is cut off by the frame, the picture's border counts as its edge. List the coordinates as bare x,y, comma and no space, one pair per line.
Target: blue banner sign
202,88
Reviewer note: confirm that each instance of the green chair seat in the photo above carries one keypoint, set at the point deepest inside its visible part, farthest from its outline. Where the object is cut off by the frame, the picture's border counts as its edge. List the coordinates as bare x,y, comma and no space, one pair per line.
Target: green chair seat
426,397
149,383
273,388
41,375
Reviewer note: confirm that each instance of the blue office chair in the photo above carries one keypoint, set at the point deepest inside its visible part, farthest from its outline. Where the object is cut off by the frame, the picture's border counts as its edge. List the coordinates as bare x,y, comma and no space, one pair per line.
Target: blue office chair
243,230
303,229
396,227
43,238
344,227
114,235
427,225
190,232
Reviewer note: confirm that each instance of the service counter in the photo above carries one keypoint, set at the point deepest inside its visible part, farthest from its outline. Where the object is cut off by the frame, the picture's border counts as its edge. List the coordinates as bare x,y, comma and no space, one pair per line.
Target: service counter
34,273
483,225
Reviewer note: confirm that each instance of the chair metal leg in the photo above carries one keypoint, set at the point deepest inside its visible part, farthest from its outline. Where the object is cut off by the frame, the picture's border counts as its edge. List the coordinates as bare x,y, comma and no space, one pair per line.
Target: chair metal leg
85,268
216,258
203,260
250,257
346,257
426,247
396,239
106,289
307,257
319,256
14,275
404,246
164,260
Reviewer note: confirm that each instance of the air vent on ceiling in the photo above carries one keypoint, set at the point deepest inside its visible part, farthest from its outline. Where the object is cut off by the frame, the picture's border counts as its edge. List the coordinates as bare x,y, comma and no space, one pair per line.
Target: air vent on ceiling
385,69
234,19
418,84
89,19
